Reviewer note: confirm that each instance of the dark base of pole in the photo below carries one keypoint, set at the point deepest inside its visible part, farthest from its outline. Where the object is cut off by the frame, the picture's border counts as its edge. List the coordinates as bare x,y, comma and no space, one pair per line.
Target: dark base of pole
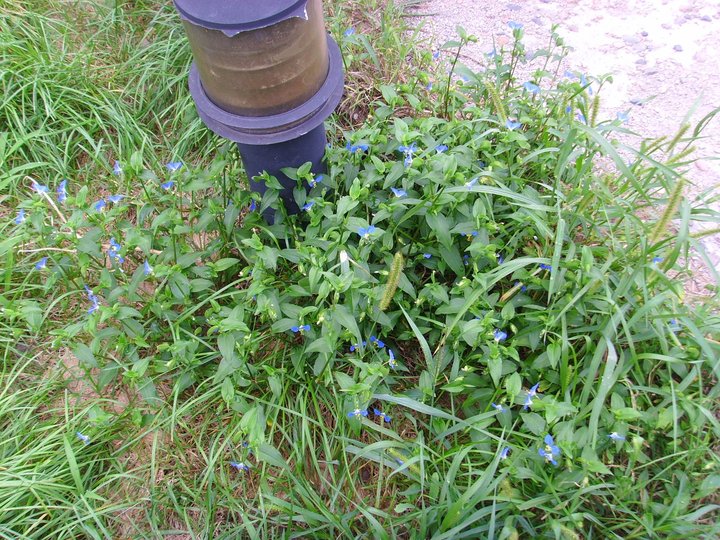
274,157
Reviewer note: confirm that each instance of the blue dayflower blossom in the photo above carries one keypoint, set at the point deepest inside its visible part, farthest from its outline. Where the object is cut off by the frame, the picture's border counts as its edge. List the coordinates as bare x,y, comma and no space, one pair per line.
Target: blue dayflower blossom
41,264
312,182
147,269
471,183
466,259
440,148
117,168
253,206
657,260
300,329
500,258
20,217
391,361
239,465
353,148
499,335
429,86
357,412
544,266
95,304
100,205
427,255
551,451
436,55
39,188
408,151
62,191
84,438
365,232
167,185
498,407
511,124
615,436
531,87
523,288
356,347
116,198
114,251
308,205
173,166
504,452
380,344
515,25
349,32
470,235
399,192
623,117
581,118
385,417
531,394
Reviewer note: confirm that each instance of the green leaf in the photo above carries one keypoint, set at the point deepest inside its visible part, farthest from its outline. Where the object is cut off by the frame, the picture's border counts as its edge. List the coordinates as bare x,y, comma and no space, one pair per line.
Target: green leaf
230,361
534,423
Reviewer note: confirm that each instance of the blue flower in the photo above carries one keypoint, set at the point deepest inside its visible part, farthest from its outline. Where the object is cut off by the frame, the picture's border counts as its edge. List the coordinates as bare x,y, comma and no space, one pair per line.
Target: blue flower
100,205
167,185
365,232
436,55
500,258
93,300
497,407
623,117
428,86
315,181
173,166
531,87
349,32
308,205
471,183
377,342
61,191
39,188
408,151
523,288
41,264
615,436
544,266
470,235
114,251
147,269
657,260
504,452
116,198
253,206
357,412
239,465
427,255
385,417
20,217
392,362
466,259
499,335
551,451
570,75
399,192
355,347
515,25
356,147
512,125
568,109
581,118
674,325
84,438
531,394
440,148
300,329
117,168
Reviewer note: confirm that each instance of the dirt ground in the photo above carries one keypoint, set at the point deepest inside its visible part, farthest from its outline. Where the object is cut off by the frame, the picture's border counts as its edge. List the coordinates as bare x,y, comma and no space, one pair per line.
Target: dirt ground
664,56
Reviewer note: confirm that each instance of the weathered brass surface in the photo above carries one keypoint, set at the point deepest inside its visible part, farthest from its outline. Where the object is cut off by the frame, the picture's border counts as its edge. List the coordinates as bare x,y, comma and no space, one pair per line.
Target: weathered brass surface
265,71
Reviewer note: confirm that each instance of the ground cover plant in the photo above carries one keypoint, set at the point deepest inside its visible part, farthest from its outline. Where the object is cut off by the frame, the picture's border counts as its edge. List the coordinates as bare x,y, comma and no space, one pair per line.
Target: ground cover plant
469,331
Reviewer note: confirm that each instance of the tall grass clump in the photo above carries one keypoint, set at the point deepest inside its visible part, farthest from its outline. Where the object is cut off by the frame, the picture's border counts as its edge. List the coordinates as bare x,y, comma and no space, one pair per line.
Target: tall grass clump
471,330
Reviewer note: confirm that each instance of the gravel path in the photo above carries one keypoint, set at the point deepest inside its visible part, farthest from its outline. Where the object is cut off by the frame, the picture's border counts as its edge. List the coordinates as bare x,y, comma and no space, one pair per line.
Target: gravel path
669,49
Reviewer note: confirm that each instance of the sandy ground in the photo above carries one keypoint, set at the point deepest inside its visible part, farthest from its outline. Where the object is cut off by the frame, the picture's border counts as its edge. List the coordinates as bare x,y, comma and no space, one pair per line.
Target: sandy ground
664,56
